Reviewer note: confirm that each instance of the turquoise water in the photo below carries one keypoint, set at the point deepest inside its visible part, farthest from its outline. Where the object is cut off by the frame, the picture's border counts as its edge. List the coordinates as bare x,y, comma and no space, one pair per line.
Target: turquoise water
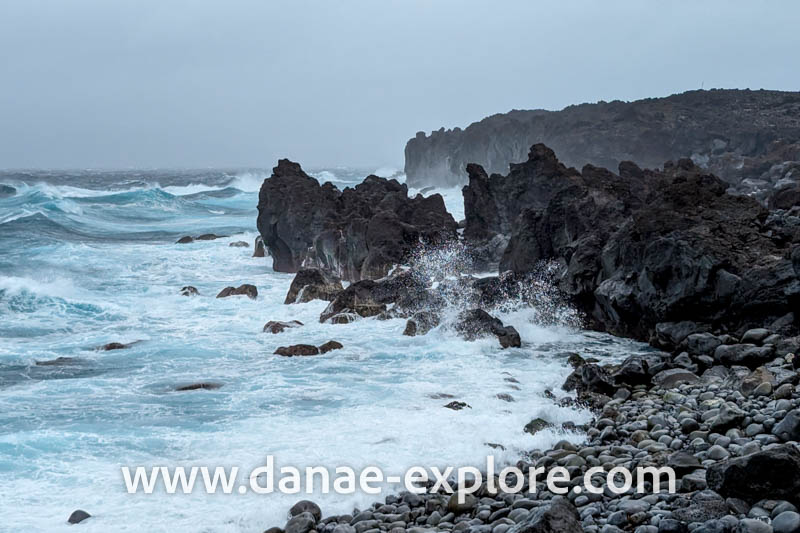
90,258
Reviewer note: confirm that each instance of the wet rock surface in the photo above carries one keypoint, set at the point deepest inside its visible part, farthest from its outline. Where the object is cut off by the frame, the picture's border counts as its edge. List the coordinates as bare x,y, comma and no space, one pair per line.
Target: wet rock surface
313,284
727,479
643,248
358,233
242,290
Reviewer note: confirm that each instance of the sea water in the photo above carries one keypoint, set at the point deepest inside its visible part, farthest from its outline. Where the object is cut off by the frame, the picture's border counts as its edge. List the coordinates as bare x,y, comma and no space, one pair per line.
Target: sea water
89,257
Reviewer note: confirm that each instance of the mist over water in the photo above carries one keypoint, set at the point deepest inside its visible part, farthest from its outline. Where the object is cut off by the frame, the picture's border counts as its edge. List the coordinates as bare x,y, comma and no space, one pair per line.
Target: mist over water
90,258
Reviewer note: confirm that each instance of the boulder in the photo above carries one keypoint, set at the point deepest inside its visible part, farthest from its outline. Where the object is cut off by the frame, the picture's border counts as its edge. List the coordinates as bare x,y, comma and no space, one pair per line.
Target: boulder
208,237
772,473
274,326
304,522
297,350
788,428
754,336
536,425
185,240
239,244
556,516
306,506
672,377
368,298
421,323
359,233
702,343
246,290
457,406
591,378
78,516
729,416
748,355
313,284
475,323
329,346
634,370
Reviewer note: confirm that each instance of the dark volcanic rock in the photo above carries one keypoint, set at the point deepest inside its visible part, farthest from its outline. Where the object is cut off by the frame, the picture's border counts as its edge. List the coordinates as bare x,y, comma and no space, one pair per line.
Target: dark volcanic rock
185,240
558,516
421,323
476,323
116,346
636,252
330,346
306,506
368,297
78,516
358,233
189,291
737,134
242,290
297,349
773,473
239,244
59,361
457,406
199,386
313,284
275,326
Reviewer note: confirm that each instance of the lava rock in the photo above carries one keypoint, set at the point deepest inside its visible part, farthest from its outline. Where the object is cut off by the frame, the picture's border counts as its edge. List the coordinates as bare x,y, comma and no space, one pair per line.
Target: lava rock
246,289
359,233
274,326
772,473
313,284
78,516
330,346
297,350
558,516
189,291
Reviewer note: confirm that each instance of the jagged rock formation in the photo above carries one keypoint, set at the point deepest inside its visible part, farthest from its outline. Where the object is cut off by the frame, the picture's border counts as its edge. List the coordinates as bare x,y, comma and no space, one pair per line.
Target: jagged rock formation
748,138
358,233
642,248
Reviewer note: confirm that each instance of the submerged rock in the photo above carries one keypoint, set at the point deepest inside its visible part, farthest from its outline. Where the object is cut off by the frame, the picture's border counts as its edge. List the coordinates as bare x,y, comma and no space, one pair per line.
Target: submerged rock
457,406
198,386
297,350
536,425
359,233
185,240
274,326
239,244
313,284
242,290
189,291
116,346
59,361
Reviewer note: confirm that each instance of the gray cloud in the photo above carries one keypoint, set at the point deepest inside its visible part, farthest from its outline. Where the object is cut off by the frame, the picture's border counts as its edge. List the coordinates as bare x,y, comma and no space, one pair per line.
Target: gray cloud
100,83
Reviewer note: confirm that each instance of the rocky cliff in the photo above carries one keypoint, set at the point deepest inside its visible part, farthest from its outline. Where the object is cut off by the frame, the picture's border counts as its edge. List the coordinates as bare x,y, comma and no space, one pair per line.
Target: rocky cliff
748,138
641,248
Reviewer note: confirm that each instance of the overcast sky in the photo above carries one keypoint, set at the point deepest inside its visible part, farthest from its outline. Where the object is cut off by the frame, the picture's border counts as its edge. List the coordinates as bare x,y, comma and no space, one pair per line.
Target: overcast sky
160,83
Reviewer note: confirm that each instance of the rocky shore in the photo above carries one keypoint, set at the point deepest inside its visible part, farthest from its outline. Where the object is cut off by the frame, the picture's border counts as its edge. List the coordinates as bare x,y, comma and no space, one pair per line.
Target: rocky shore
730,435
667,256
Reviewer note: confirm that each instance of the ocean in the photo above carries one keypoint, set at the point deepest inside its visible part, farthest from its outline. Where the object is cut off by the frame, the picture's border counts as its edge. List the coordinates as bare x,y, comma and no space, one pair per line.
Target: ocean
90,257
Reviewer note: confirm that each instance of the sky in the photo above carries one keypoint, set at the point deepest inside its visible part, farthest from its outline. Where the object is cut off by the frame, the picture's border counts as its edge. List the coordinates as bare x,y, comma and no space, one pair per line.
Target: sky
239,83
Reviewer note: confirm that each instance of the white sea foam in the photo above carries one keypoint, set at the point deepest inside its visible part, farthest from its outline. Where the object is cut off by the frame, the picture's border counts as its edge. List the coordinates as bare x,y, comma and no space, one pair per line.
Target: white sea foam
65,431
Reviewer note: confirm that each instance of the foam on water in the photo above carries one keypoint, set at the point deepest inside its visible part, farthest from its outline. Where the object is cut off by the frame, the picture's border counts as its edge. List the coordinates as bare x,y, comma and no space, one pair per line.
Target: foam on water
65,430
